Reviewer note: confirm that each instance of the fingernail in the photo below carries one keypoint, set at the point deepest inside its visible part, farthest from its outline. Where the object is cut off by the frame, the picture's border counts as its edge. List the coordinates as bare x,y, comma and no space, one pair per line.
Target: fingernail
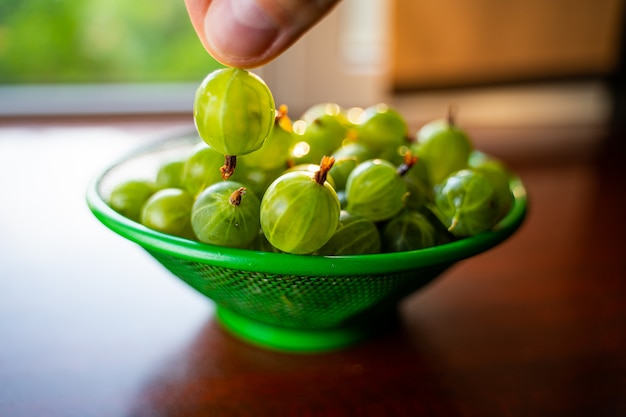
239,30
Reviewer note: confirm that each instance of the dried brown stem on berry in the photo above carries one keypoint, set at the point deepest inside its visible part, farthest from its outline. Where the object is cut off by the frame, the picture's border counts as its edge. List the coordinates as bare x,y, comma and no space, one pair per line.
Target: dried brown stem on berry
282,118
452,110
409,161
230,162
281,112
325,166
235,197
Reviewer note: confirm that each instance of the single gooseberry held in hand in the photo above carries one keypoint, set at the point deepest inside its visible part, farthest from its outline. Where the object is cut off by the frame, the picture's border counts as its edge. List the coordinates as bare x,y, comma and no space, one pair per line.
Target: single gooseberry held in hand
234,113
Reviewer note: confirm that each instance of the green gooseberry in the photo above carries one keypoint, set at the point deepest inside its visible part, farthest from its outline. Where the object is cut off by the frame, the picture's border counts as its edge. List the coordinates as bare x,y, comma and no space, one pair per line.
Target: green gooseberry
382,128
170,174
317,138
300,210
375,190
341,170
443,147
325,109
128,197
419,190
226,214
466,203
409,230
354,149
355,235
202,169
234,111
326,126
500,176
169,211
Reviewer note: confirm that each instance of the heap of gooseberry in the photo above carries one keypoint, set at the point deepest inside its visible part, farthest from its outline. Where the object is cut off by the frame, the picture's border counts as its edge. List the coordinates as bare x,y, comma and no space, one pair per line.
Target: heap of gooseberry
333,182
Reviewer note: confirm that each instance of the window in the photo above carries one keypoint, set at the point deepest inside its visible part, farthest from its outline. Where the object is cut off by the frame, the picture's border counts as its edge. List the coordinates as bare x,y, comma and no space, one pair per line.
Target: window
60,52
98,41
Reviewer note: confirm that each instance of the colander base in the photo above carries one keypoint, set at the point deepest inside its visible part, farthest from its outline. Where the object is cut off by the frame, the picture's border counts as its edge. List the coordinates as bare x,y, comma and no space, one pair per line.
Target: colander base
293,340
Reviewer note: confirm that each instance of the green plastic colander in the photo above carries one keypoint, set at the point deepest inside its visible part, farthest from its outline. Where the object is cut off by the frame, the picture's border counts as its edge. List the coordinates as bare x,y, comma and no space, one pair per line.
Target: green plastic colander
289,302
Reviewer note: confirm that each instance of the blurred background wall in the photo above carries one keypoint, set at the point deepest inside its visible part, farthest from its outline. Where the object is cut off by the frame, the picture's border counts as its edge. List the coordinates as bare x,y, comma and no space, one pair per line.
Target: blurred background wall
451,43
537,62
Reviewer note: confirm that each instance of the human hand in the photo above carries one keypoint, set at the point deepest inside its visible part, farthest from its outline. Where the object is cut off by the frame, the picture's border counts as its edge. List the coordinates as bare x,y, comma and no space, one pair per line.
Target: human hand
250,33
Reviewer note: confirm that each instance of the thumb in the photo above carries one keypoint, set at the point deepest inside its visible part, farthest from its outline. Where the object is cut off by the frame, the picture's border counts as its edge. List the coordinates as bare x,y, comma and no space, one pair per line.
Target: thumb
250,33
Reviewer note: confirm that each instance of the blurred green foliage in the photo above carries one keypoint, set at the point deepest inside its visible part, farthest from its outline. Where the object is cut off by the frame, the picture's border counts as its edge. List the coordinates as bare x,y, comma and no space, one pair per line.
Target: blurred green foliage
67,41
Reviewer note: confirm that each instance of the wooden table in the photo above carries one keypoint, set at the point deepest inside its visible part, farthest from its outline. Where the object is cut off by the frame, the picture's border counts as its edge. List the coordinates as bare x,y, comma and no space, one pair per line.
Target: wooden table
90,325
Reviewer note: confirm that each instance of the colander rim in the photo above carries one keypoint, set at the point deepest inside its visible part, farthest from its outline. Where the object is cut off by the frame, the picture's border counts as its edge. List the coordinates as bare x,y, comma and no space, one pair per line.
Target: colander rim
306,265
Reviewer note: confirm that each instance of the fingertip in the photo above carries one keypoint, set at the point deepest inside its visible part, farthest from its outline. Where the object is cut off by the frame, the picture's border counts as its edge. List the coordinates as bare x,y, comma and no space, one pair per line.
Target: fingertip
250,33
239,33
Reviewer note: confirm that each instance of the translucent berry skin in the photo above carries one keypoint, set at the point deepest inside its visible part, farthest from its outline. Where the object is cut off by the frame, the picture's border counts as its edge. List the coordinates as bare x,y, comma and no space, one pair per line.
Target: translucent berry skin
169,211
444,148
170,175
329,131
355,235
274,154
375,190
466,203
351,149
420,191
383,128
128,198
326,126
325,109
202,169
322,136
299,215
233,111
409,230
498,173
217,220
341,171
